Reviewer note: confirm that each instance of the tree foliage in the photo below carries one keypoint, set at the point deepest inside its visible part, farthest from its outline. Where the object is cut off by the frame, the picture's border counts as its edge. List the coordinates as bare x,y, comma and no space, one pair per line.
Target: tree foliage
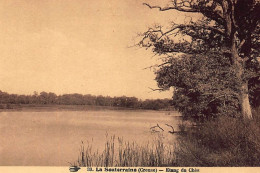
216,63
7,100
201,85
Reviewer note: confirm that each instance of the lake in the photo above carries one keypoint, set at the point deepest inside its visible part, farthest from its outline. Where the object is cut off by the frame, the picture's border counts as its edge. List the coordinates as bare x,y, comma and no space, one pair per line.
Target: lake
54,138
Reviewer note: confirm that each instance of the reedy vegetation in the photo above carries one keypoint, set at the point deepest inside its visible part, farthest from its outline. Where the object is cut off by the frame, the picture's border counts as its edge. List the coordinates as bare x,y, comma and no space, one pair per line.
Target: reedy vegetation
127,154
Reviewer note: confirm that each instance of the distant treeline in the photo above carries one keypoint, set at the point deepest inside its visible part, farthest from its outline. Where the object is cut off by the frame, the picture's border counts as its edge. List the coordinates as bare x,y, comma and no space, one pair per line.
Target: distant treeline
79,99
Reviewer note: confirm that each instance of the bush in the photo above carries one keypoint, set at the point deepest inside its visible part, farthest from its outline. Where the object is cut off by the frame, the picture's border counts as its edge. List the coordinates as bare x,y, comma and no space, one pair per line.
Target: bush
224,141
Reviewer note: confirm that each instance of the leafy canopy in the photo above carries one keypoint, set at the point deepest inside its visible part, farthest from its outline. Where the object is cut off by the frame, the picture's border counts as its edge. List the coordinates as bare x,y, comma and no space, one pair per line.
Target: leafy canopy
202,67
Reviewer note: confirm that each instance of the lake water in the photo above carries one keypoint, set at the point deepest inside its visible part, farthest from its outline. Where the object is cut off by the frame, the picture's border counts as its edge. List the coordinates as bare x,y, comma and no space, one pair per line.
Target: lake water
54,138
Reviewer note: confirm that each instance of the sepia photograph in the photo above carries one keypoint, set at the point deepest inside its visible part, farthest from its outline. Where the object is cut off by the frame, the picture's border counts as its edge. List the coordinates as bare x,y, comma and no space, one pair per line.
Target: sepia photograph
130,85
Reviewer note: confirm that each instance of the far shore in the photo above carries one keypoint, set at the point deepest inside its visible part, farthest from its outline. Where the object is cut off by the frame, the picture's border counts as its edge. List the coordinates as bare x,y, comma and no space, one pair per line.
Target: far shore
55,107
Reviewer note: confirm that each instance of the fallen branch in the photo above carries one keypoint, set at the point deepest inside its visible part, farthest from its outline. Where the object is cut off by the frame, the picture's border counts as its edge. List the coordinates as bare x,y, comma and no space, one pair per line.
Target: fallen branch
157,126
171,127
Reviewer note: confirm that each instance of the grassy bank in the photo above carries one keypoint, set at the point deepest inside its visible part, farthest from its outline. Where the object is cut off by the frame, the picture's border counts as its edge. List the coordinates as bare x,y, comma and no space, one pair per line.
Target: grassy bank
224,141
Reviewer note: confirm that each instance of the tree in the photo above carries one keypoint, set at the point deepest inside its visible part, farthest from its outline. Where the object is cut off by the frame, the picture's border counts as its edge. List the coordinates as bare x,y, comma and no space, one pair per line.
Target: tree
228,29
205,87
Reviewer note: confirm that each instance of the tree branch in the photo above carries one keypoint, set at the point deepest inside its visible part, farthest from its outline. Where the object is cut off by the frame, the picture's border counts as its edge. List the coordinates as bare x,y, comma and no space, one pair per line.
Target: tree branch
171,127
157,126
172,8
224,95
158,89
161,42
193,26
210,12
156,65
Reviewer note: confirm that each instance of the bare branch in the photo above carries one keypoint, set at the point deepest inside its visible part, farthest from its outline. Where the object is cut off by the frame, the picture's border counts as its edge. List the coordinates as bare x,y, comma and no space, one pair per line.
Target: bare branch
194,26
160,127
162,44
211,11
157,126
156,65
241,44
152,66
158,89
172,8
171,127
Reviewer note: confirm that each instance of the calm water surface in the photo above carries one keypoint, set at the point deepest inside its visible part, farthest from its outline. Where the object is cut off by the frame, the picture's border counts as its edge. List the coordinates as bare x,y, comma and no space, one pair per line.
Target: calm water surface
54,138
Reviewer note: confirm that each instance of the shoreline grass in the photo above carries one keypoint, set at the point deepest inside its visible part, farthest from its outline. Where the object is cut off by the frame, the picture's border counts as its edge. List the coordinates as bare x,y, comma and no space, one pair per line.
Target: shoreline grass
120,153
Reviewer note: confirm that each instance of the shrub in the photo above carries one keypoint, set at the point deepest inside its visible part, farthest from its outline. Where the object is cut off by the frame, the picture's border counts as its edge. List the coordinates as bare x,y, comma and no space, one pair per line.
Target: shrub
224,141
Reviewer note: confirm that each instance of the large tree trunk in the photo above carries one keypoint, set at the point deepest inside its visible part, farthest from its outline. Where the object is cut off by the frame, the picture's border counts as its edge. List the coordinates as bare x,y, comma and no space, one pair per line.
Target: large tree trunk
243,95
239,63
244,101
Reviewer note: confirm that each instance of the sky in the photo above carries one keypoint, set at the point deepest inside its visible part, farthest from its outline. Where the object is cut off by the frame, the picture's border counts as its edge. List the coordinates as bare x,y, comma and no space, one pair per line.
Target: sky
79,46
